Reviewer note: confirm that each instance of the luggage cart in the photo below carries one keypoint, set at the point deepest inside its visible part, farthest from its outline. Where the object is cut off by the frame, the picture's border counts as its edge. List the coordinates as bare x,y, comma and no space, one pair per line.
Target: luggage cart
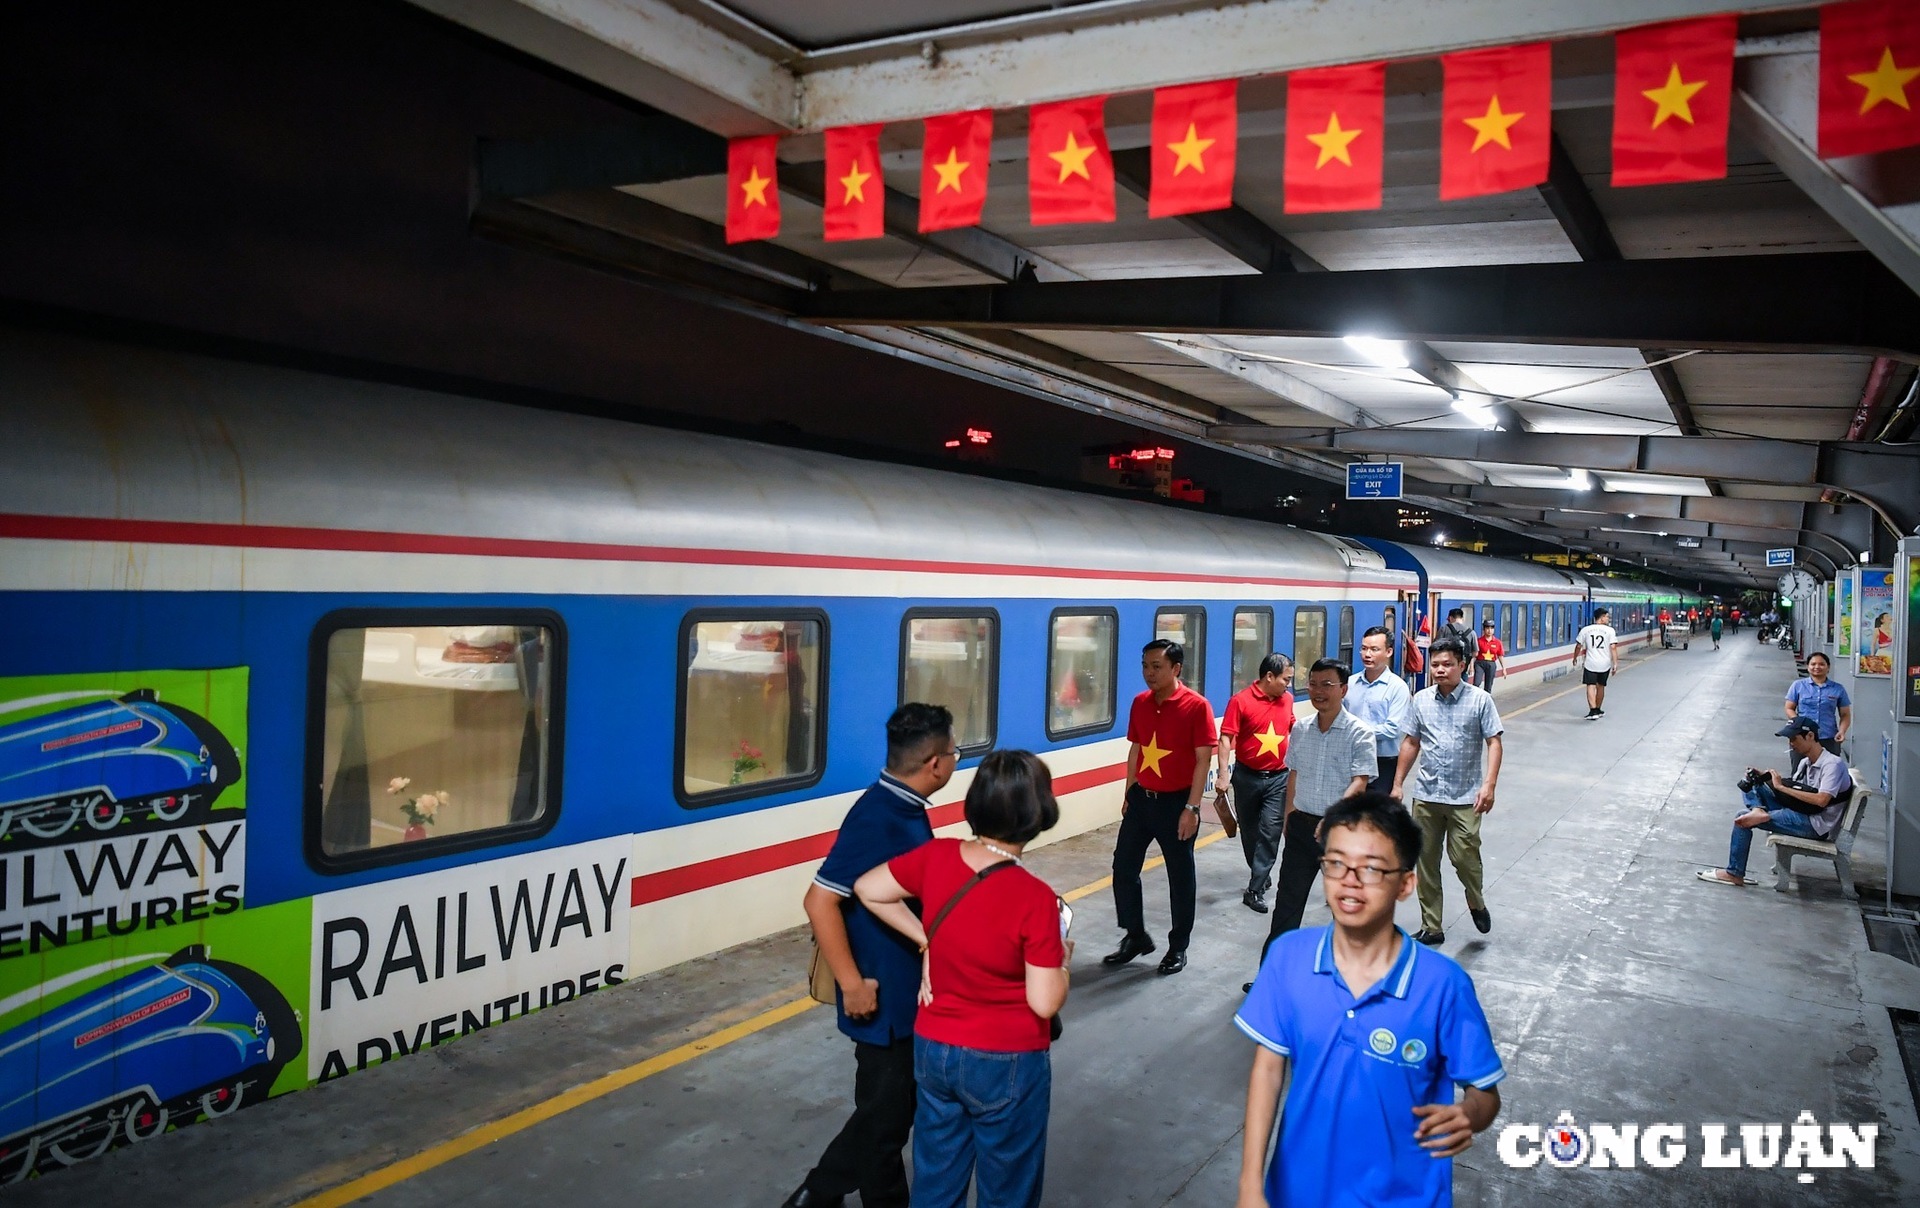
1674,635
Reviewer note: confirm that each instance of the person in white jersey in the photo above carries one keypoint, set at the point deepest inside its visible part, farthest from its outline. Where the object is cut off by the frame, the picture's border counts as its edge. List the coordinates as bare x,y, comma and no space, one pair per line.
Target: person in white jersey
1596,651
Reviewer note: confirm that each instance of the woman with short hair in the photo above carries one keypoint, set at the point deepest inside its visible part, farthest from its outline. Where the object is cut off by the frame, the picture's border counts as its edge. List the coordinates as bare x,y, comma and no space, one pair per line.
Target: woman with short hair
995,976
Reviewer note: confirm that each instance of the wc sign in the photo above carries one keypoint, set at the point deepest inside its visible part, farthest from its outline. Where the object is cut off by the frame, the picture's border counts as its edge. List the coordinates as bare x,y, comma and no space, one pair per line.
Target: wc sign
1805,1146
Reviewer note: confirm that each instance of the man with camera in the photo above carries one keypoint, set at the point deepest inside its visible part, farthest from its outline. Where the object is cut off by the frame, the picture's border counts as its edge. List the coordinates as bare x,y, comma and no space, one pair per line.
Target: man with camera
1807,805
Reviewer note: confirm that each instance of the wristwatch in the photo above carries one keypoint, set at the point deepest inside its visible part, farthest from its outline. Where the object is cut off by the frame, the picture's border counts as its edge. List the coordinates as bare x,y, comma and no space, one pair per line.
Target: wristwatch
1194,808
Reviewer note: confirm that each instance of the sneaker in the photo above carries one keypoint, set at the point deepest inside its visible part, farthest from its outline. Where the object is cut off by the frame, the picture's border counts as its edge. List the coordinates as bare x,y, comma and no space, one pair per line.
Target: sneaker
1430,937
1592,714
1599,712
1482,918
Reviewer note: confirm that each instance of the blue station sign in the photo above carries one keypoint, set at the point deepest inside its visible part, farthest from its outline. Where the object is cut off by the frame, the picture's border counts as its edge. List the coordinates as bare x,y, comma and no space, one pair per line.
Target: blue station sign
1779,557
1373,480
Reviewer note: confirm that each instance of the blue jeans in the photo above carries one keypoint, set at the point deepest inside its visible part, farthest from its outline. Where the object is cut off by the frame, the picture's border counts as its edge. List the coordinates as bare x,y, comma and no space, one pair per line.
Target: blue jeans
1779,819
982,1118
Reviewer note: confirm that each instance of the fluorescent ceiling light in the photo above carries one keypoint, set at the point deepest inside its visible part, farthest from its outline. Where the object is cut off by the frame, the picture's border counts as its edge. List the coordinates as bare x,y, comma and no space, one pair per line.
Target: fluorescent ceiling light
1476,410
1580,480
1388,354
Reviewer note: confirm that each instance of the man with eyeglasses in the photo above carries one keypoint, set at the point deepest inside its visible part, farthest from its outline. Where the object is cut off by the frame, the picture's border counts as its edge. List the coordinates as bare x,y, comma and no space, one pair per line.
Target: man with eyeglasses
877,969
1371,1036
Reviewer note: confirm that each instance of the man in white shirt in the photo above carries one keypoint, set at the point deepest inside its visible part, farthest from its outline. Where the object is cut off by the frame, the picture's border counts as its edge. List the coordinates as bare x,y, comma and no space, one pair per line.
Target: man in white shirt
1596,651
1381,699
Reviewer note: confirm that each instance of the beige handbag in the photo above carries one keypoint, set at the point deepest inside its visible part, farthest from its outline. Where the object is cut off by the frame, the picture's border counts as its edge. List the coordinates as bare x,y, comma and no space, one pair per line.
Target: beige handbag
821,985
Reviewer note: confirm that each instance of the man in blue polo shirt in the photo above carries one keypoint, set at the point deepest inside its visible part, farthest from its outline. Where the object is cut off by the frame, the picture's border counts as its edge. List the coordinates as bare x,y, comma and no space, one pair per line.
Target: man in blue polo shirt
877,969
1378,1032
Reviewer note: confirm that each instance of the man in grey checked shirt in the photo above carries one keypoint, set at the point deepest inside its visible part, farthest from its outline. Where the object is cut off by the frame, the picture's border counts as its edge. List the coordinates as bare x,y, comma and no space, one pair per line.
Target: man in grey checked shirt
1455,736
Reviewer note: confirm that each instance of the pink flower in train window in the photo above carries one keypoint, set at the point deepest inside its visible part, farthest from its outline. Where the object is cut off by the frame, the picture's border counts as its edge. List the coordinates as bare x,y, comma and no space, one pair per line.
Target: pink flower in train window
747,758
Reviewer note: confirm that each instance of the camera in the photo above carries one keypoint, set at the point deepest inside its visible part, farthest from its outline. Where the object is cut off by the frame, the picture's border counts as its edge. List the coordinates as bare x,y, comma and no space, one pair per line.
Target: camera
1754,777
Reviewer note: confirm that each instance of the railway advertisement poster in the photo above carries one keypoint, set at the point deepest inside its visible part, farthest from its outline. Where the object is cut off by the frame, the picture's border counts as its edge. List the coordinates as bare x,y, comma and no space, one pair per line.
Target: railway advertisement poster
1910,681
1843,639
407,964
1875,612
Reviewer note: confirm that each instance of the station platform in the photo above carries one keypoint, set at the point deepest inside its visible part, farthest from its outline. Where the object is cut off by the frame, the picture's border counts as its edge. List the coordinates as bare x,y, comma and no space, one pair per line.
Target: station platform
1620,989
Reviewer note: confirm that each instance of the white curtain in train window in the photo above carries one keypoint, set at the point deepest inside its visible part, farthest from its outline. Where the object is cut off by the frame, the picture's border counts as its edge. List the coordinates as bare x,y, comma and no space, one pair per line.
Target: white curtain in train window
949,661
752,702
1252,642
433,730
1080,664
1187,626
1309,643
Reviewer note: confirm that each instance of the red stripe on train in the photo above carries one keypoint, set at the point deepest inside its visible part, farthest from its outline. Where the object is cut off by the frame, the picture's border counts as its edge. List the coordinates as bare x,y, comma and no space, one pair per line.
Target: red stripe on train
705,874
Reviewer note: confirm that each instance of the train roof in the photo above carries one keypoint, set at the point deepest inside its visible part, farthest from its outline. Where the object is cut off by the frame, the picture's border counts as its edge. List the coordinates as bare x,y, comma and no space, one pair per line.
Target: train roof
1454,570
101,430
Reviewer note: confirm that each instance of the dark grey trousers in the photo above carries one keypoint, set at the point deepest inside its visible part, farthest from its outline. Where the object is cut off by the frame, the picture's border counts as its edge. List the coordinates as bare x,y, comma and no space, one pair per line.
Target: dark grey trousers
1260,802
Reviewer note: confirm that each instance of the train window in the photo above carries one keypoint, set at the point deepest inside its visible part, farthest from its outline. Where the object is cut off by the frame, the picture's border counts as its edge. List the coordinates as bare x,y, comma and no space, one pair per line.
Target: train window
1187,626
952,659
1486,614
1346,635
1506,625
1309,643
1389,621
752,703
431,731
1082,650
1252,641
1534,612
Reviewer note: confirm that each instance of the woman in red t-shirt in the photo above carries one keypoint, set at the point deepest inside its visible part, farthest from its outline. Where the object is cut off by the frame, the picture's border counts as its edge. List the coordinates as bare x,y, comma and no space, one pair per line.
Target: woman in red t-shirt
1489,657
996,973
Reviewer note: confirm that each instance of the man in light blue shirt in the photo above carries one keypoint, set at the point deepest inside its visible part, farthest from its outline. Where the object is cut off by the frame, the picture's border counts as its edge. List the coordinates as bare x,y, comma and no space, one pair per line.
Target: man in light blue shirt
1382,700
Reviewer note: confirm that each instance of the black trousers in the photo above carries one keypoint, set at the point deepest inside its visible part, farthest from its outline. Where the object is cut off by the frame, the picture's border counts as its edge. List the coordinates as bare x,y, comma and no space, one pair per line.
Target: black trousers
1260,800
1384,768
866,1157
1154,818
1299,865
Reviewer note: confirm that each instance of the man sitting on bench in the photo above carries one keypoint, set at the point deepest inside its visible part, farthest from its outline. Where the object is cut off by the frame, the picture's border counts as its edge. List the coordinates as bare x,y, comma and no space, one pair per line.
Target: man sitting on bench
1807,805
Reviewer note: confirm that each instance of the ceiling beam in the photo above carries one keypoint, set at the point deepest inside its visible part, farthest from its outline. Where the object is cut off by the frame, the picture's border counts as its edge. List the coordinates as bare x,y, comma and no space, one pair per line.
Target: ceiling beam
1818,302
1766,513
1233,230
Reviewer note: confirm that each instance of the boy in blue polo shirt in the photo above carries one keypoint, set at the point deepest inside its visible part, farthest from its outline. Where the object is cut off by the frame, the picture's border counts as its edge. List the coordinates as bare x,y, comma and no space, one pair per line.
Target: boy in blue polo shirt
1378,1030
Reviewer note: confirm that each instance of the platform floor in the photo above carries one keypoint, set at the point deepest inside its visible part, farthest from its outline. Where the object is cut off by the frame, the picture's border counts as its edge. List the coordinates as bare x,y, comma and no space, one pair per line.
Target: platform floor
1619,989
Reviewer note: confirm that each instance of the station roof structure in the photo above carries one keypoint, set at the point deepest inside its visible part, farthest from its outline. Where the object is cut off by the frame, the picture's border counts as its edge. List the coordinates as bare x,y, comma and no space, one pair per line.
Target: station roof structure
1682,375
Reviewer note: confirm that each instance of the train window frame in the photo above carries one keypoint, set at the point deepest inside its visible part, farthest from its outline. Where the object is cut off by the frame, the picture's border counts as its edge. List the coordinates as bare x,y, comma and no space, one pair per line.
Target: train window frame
1303,666
1519,642
1192,665
728,794
1346,643
312,802
1505,631
991,615
1113,673
1266,610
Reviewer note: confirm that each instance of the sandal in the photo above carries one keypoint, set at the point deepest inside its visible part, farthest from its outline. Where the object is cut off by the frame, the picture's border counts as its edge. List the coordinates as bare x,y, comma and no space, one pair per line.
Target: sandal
1712,877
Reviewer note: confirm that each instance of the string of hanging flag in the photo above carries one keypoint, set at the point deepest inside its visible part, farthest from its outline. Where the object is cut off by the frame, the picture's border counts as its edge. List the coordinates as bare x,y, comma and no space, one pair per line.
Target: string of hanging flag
1673,99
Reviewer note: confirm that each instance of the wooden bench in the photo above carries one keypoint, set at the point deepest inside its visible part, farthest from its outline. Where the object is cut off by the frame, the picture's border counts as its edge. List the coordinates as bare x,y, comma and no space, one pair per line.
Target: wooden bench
1838,848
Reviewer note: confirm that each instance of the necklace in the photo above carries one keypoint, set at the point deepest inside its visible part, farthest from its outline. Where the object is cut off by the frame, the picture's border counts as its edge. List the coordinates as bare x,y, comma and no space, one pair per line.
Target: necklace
1002,852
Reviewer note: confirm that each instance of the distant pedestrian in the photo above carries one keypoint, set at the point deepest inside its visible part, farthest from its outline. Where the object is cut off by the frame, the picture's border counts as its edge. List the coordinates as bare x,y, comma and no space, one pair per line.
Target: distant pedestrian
1458,623
1822,702
996,974
1172,736
1382,700
1375,1033
1253,756
1455,739
1489,658
878,972
1596,651
1716,627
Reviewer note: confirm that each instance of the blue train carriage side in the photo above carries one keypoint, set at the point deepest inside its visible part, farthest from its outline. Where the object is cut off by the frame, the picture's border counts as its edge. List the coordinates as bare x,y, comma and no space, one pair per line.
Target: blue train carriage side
534,702
1635,606
1535,609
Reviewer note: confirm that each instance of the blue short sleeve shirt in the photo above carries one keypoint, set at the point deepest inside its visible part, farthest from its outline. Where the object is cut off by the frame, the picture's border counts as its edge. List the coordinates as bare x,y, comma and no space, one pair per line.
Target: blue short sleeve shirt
1820,703
1360,1067
888,820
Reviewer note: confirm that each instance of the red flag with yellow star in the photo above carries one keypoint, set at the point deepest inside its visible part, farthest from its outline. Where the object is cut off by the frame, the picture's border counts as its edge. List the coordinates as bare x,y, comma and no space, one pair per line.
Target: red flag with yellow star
1196,131
753,197
1869,77
1069,169
1672,96
1496,125
1335,120
954,155
856,195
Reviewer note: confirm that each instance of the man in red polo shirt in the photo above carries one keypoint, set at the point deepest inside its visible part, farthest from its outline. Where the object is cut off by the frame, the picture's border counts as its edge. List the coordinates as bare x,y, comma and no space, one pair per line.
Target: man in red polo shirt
1171,728
1253,743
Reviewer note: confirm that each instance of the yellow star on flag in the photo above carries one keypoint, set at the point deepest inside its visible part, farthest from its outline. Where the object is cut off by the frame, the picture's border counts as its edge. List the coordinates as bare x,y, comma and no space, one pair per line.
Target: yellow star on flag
1333,142
855,183
1673,98
1187,151
1493,127
1152,754
950,171
1270,741
1072,159
1887,82
756,187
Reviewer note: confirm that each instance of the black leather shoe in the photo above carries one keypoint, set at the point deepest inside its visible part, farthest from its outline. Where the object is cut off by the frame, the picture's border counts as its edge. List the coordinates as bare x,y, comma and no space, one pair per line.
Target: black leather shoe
1130,947
1482,918
807,1197
1430,937
1173,962
1254,902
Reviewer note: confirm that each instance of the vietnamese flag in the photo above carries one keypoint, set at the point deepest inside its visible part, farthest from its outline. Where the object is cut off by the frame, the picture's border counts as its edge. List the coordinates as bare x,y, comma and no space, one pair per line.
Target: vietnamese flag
1869,77
1335,145
856,194
753,197
1196,131
1672,96
954,155
1496,120
1069,169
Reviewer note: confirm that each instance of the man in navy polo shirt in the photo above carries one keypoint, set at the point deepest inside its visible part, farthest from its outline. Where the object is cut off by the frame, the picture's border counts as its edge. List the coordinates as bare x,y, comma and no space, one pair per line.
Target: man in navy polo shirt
1378,1031
877,969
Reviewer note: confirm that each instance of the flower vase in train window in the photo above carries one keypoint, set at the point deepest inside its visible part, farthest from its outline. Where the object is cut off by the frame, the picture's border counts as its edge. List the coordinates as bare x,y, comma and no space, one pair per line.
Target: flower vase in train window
420,811
747,759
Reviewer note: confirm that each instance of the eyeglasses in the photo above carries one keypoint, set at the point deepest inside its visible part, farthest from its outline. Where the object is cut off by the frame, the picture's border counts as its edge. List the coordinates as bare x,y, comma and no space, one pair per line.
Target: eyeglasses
1368,874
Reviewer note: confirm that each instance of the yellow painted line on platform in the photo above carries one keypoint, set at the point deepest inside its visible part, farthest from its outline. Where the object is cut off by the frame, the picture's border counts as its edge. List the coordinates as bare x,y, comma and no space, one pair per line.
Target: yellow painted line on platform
486,1134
